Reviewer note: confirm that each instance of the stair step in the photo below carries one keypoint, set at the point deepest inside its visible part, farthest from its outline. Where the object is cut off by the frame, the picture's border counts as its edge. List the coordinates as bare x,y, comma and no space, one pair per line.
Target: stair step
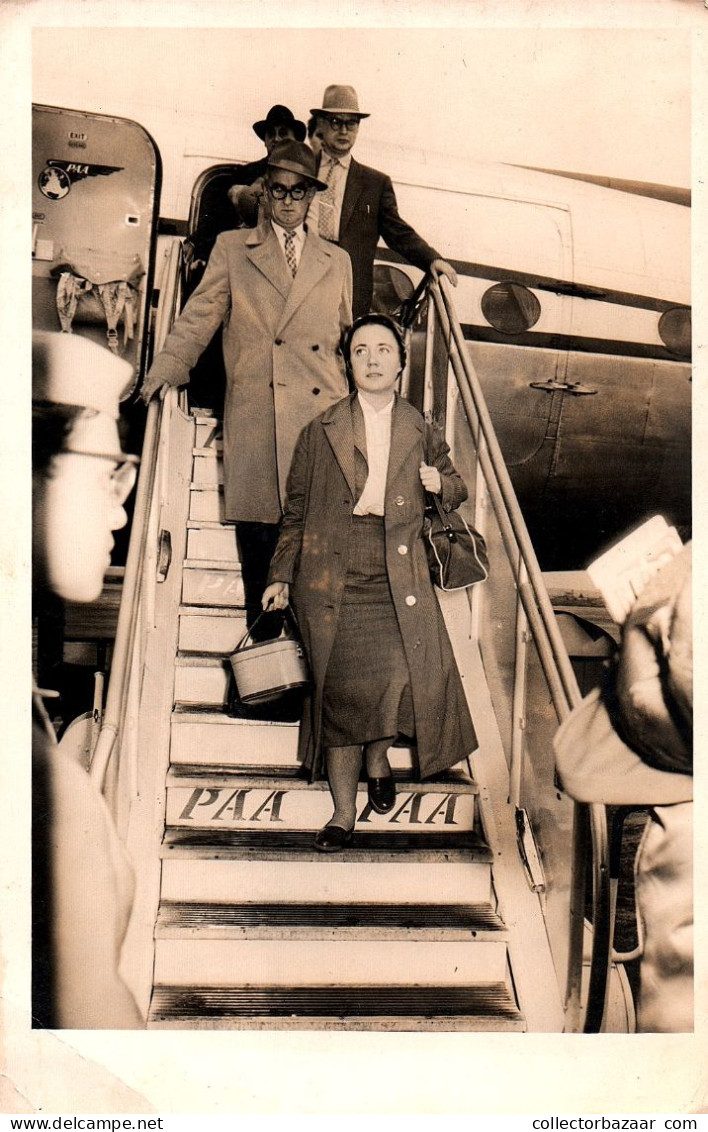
210,630
327,962
207,467
204,681
213,584
385,844
201,680
325,921
213,542
208,800
454,781
485,1008
208,872
208,434
216,739
206,503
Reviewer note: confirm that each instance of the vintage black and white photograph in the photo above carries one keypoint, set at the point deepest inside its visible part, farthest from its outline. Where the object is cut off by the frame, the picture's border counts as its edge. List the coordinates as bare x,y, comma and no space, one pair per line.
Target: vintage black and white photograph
361,553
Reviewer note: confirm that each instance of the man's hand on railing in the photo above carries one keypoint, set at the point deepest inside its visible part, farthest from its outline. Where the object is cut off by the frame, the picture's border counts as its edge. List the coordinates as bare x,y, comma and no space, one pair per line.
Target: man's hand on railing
441,267
150,387
160,376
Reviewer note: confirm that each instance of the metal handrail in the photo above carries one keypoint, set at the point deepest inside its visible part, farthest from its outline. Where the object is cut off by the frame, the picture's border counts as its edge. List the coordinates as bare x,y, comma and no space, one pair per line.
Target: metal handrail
504,501
129,605
557,669
126,627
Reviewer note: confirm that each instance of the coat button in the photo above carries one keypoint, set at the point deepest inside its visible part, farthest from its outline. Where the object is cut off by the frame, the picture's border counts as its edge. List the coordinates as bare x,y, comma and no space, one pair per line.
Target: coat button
315,391
315,347
403,549
399,501
411,599
279,341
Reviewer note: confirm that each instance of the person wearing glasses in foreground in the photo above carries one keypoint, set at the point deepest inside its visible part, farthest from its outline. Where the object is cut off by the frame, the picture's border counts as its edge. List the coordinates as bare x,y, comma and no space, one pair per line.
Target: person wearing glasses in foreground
82,883
284,298
351,557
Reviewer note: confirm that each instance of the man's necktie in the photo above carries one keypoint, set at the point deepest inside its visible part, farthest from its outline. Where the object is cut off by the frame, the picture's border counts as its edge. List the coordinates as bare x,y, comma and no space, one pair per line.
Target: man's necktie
326,202
290,252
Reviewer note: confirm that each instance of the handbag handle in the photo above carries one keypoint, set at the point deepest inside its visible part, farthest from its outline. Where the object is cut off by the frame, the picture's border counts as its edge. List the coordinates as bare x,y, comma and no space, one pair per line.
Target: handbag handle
450,532
243,643
448,529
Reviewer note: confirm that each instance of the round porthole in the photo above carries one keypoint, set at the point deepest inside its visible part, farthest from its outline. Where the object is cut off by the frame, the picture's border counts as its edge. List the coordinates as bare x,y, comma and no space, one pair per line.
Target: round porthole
675,330
510,307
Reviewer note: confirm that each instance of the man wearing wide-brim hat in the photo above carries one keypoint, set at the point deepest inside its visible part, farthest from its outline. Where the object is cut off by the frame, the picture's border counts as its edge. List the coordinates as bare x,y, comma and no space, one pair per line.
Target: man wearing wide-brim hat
284,298
279,124
237,206
359,206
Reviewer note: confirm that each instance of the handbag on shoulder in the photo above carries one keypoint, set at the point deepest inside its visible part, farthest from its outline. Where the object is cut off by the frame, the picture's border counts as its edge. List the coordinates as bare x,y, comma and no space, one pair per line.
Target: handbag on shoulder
457,554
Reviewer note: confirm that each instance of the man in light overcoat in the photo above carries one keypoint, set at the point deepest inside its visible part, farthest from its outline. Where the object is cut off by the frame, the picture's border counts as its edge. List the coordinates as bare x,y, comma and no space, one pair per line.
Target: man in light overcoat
284,298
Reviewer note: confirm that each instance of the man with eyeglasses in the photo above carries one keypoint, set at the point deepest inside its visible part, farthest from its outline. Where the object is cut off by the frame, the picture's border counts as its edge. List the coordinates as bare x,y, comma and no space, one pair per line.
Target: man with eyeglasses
238,207
82,881
283,296
359,205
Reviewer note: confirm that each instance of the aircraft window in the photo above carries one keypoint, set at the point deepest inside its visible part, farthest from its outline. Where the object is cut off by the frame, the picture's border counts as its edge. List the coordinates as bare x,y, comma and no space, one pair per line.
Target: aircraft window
675,330
391,287
511,308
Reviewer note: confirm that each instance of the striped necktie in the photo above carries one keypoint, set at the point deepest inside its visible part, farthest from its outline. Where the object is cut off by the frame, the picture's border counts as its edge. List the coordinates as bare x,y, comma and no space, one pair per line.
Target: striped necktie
326,224
290,253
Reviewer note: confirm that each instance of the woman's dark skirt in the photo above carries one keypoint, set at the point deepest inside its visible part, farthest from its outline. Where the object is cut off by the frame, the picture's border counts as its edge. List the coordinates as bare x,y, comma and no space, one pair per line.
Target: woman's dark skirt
367,694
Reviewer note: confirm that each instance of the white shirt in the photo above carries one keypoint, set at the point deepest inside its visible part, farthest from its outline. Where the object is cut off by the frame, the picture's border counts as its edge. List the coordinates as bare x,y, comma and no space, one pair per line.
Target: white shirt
377,424
341,174
298,233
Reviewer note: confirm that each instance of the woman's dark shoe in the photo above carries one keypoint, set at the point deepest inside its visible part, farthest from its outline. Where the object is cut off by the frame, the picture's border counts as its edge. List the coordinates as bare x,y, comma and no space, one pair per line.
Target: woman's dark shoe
382,793
332,838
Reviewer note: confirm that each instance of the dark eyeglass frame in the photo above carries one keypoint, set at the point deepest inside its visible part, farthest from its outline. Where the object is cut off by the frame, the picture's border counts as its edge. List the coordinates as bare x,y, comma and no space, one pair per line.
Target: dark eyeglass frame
123,475
296,193
334,120
119,458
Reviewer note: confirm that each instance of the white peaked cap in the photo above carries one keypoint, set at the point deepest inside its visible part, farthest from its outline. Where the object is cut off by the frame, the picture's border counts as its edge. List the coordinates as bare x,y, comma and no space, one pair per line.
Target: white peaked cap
72,370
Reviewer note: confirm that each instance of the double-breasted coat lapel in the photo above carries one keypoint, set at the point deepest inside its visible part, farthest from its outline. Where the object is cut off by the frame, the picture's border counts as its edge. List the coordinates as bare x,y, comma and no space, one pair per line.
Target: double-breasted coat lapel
264,252
314,263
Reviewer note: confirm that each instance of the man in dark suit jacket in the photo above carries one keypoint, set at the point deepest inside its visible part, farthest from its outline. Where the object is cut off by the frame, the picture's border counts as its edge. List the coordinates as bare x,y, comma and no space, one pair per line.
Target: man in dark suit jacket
221,209
360,205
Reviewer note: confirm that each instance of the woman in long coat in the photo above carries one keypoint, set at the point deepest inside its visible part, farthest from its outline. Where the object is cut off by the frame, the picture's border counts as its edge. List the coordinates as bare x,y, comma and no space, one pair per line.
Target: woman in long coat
351,551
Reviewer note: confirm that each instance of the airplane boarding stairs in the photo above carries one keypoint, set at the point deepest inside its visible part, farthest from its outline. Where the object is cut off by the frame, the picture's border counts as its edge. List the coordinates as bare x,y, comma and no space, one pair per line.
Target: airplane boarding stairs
256,928
438,917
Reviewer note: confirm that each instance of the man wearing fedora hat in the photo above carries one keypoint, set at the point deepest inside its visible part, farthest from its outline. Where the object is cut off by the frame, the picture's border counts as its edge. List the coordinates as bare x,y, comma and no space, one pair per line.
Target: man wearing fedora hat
238,207
283,296
245,194
359,205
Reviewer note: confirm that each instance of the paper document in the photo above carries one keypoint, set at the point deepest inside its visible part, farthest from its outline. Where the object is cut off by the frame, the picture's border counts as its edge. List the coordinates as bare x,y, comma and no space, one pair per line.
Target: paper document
621,573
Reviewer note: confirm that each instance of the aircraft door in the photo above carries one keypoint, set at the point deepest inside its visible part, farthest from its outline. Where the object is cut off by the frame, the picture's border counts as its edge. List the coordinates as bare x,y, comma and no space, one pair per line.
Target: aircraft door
95,198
